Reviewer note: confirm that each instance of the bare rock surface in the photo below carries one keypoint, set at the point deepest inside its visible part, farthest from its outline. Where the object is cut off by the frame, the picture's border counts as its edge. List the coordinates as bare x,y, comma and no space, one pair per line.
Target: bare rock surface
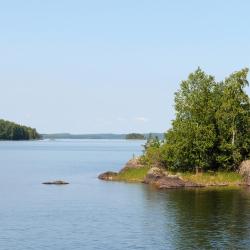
161,180
107,176
169,182
153,175
244,171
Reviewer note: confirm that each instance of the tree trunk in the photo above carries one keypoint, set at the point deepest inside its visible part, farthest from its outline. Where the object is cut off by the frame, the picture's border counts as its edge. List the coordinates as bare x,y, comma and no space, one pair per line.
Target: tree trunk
198,170
233,138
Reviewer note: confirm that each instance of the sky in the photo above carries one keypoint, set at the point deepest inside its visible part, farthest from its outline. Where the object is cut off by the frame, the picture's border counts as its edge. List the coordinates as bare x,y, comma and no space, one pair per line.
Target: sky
112,66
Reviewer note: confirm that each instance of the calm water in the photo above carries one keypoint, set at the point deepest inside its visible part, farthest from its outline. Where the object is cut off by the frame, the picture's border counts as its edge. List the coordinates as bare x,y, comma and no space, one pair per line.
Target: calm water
92,214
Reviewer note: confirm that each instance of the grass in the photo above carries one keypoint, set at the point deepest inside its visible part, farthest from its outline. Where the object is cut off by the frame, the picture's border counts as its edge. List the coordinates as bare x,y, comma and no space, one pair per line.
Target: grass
206,179
133,174
213,179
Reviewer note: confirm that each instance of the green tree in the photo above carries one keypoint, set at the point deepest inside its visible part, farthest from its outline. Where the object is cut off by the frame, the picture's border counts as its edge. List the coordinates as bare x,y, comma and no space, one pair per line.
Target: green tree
12,131
233,120
153,152
193,134
212,125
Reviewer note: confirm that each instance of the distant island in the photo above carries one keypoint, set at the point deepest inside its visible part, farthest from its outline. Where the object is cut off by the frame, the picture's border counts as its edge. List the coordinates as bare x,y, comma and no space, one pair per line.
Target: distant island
135,136
102,136
12,131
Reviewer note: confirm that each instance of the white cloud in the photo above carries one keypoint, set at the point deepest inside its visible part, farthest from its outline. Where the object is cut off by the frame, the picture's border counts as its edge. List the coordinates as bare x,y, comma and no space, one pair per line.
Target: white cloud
141,119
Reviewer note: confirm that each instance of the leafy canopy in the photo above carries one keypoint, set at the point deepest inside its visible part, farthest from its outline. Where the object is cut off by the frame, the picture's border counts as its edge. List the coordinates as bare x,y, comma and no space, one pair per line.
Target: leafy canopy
212,125
12,131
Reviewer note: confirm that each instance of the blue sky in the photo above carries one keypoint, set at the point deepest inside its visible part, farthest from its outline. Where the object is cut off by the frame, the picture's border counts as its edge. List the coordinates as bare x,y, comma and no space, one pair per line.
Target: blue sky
112,66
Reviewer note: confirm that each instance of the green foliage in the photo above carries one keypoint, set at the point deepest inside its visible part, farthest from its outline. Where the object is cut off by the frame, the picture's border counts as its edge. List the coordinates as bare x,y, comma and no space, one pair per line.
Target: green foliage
153,154
212,125
233,121
13,131
216,178
132,174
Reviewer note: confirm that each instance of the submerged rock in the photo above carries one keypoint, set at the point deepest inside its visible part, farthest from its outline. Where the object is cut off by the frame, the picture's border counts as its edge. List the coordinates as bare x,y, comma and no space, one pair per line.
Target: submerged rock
58,182
107,176
244,171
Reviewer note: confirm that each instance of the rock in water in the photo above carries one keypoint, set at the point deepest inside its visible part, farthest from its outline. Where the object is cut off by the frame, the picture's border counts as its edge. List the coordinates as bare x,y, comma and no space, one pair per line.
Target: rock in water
153,175
244,171
59,182
169,182
161,180
107,176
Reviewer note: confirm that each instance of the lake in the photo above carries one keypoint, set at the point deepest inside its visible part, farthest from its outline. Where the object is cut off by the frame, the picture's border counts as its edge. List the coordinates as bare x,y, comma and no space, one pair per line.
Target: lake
94,214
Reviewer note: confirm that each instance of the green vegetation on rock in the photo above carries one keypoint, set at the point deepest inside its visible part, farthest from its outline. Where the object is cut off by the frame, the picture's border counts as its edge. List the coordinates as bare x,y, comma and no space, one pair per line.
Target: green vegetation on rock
213,179
208,179
12,131
132,174
211,130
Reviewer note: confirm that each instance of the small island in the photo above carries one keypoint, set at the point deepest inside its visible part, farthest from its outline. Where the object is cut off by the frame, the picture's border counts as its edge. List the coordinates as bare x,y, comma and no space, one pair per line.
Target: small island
135,136
208,143
12,131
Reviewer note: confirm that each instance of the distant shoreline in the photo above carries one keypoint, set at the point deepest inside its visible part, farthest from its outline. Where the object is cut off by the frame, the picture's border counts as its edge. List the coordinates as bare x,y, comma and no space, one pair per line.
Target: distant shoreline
57,139
97,136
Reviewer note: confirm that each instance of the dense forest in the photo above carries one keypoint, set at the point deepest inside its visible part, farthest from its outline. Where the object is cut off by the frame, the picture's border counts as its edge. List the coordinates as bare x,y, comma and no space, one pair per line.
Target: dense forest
12,131
211,130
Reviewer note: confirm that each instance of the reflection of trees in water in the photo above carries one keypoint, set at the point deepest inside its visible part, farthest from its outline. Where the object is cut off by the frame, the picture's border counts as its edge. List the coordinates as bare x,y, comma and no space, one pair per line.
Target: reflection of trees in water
202,218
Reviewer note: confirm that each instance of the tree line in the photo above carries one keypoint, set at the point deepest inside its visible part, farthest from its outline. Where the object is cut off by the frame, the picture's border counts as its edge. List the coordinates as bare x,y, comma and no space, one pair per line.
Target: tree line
12,131
135,136
211,129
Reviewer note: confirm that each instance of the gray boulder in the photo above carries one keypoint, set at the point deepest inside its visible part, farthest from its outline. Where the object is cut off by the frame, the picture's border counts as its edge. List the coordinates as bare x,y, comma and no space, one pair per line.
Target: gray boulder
244,171
107,176
169,182
153,175
163,180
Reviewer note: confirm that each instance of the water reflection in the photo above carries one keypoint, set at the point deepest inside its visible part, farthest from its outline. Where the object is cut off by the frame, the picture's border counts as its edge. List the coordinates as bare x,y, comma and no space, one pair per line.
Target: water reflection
91,214
204,218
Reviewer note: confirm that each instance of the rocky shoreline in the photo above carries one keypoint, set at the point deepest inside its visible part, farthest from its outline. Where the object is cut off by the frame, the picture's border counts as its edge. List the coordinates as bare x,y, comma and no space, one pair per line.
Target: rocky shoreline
162,179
